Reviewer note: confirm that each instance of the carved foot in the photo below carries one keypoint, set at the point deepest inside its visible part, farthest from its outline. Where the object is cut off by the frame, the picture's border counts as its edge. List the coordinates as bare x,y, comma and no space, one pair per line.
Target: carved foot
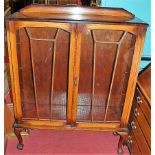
17,132
120,151
20,146
122,140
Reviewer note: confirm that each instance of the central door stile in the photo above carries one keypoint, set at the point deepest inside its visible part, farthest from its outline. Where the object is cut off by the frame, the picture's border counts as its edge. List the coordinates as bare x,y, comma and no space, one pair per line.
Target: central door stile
71,73
76,72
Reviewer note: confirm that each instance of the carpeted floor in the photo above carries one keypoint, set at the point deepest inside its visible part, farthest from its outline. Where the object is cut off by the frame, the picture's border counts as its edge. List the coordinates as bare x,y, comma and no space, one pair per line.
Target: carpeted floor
50,142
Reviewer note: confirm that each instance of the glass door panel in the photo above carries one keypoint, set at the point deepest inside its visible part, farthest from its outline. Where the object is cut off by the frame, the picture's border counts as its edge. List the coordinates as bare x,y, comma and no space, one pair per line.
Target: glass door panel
105,61
43,60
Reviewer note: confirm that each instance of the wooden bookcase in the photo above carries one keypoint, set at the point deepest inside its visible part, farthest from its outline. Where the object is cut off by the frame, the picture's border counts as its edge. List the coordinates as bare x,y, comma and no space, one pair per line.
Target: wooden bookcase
74,68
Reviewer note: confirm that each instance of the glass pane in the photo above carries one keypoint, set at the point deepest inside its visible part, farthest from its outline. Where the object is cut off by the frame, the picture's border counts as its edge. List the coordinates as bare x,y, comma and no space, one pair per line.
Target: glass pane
85,80
105,62
43,72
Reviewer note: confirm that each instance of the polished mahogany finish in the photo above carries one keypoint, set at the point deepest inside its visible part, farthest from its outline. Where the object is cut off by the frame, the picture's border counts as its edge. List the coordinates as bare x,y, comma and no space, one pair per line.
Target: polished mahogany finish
74,68
140,118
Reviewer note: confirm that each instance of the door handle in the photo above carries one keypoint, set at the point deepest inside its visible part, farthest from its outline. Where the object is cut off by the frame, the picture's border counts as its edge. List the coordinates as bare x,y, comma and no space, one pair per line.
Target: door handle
75,82
139,100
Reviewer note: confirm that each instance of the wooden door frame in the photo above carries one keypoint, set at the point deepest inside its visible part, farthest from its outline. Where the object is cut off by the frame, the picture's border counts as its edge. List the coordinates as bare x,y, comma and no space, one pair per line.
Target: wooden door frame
12,27
139,32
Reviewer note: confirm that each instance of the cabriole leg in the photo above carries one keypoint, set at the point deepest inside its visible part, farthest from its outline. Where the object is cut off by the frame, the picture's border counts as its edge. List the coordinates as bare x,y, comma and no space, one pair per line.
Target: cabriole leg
123,135
17,132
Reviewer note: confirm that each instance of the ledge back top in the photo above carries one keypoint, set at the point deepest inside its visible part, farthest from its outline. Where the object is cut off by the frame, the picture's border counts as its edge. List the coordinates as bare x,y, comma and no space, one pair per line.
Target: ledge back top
75,13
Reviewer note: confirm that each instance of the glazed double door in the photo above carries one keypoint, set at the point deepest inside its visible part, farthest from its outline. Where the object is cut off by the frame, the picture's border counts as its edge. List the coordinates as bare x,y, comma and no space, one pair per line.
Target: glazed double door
71,73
